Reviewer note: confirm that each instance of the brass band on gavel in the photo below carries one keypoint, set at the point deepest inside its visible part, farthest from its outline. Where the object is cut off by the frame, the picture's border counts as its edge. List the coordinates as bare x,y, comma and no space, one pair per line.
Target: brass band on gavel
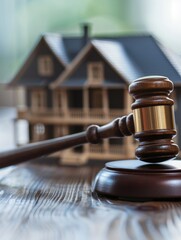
154,117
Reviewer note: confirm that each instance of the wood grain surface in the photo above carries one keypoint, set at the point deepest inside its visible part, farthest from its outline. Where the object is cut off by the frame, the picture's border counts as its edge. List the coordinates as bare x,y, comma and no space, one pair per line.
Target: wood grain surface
49,202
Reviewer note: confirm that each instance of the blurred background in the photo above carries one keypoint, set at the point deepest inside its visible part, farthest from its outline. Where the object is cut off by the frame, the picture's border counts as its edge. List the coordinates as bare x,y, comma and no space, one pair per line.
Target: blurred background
22,22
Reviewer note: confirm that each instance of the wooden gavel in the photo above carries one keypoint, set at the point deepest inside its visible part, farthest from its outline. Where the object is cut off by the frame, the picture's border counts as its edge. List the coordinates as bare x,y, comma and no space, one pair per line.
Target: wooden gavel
152,124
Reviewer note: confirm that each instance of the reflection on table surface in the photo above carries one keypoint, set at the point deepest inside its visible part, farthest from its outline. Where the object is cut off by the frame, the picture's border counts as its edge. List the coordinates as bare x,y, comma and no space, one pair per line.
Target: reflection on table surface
50,202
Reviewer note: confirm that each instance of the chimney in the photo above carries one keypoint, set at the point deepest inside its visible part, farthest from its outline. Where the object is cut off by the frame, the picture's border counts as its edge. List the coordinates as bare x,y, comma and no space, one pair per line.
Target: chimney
85,33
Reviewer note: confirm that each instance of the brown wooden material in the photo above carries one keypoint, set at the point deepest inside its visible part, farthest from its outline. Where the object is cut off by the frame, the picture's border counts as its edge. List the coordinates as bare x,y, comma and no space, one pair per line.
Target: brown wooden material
137,181
118,128
55,203
155,145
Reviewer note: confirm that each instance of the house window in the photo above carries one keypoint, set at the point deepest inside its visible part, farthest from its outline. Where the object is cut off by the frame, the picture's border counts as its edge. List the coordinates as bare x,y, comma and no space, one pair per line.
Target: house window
38,100
40,129
95,72
45,66
39,132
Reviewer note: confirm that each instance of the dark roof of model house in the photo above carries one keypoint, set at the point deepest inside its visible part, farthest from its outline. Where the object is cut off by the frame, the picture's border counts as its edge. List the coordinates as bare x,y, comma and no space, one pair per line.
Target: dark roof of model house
112,52
129,56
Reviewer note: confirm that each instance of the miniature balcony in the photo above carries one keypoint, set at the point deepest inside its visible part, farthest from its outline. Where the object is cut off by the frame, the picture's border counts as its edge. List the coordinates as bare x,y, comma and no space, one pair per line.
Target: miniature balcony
113,149
117,149
24,113
96,149
84,116
95,113
76,113
97,152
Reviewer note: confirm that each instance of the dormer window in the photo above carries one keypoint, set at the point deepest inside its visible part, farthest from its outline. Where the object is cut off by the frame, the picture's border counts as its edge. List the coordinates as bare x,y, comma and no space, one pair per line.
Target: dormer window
45,66
95,72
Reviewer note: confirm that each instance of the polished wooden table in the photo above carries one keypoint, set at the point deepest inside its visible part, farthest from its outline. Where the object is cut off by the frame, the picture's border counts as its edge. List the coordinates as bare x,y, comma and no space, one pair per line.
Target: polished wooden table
41,201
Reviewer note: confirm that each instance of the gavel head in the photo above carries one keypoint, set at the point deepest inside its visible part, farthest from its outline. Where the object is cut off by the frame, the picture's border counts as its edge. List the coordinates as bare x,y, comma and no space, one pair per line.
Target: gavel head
153,116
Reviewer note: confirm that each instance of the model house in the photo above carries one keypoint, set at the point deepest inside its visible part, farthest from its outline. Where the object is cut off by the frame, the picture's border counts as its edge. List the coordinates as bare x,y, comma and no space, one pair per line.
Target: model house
72,82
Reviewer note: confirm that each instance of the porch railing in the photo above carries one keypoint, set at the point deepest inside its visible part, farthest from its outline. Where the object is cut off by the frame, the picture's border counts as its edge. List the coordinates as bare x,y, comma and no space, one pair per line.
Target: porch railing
76,113
96,148
117,149
71,113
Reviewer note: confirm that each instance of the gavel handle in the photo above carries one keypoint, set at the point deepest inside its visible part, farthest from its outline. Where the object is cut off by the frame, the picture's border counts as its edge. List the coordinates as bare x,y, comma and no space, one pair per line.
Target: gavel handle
117,128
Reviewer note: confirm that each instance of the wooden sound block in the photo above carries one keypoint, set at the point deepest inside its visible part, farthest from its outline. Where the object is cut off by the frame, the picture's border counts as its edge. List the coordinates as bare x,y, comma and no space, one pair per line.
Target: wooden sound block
134,180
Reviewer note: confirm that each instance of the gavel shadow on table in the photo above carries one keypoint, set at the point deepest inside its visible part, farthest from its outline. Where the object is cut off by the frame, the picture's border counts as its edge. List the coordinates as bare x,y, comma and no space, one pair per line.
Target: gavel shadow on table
152,124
